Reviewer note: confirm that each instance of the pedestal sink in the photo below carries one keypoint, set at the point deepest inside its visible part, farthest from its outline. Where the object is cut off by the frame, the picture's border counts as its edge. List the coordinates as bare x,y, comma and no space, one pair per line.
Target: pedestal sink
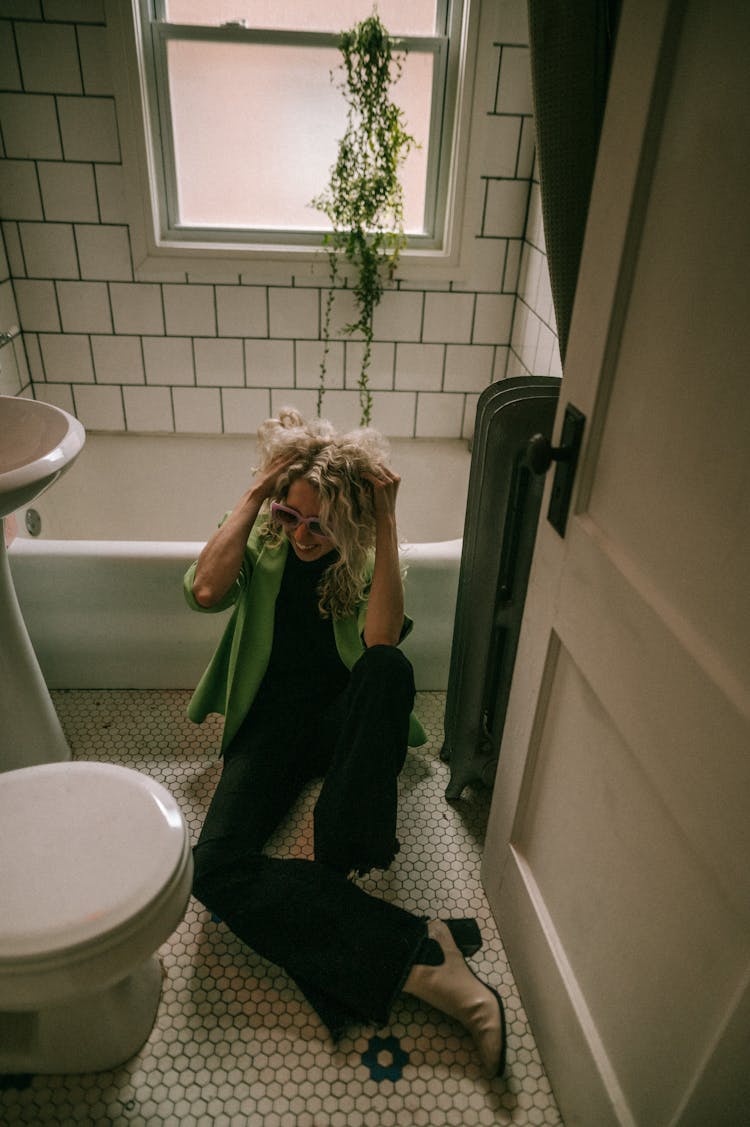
38,442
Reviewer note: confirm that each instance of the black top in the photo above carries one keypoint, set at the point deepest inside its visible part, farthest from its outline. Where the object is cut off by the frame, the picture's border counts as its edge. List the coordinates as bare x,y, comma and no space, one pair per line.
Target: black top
304,667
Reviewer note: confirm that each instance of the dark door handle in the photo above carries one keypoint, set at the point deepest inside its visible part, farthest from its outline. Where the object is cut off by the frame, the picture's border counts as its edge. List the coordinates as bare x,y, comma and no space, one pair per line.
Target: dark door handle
540,454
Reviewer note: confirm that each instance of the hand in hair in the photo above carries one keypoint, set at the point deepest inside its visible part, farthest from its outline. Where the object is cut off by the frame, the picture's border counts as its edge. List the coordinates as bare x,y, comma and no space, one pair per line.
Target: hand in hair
265,483
385,485
221,559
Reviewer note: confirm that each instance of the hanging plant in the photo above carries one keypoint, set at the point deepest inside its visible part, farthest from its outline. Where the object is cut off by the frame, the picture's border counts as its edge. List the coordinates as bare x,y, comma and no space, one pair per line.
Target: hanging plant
364,198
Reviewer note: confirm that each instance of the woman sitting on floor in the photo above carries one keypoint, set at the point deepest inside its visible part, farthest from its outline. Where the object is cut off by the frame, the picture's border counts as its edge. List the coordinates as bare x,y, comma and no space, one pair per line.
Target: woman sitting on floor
311,683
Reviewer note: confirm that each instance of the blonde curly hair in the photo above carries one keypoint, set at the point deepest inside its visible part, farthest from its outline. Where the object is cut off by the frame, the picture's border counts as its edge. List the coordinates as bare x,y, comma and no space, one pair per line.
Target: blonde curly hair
335,465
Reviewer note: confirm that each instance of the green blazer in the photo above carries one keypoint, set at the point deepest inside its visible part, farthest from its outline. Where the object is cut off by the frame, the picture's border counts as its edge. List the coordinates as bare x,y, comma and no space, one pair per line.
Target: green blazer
234,674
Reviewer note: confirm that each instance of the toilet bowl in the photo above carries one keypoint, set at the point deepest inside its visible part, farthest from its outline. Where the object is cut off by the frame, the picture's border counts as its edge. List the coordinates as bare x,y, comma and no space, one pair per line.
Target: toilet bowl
96,873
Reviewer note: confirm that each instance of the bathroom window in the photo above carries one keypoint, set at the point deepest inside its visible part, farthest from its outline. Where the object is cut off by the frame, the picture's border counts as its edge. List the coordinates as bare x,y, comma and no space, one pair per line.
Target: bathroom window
241,115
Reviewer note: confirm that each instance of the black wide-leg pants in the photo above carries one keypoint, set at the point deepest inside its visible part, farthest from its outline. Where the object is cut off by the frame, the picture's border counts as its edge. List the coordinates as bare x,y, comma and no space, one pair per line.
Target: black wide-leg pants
349,952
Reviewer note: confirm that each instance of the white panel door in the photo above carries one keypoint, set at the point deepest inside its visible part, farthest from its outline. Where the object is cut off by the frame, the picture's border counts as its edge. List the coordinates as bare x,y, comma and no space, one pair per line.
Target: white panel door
617,858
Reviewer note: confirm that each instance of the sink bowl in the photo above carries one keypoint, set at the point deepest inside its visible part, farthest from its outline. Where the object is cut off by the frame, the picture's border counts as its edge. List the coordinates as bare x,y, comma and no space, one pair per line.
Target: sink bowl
37,442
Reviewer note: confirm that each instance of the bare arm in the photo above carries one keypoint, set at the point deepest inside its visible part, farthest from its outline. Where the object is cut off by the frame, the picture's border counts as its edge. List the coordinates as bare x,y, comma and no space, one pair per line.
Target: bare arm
221,559
385,610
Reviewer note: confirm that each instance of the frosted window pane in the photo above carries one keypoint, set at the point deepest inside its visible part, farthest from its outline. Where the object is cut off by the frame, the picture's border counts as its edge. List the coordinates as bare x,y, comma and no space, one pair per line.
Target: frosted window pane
256,129
416,17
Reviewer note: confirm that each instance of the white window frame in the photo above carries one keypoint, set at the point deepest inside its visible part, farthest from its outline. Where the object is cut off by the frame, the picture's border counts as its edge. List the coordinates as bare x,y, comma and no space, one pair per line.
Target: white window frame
160,245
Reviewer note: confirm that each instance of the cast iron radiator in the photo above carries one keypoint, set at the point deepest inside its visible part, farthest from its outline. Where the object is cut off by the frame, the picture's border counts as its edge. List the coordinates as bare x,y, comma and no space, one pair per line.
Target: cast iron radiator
502,511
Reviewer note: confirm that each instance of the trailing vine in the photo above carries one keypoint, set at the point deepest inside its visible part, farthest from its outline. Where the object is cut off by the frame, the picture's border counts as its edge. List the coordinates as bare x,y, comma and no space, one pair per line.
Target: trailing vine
364,198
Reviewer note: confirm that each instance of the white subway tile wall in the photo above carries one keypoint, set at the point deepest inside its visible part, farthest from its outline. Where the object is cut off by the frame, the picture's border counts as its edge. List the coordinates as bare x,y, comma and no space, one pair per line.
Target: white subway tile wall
190,309
95,69
448,317
8,60
30,126
269,363
104,252
468,367
118,360
242,311
419,367
37,305
49,250
19,189
505,208
11,376
88,128
294,313
514,92
60,395
493,317
534,345
343,312
48,57
501,139
382,364
137,308
439,416
68,191
36,370
219,363
218,350
8,311
99,408
470,412
197,409
110,192
83,11
168,360
242,407
308,357
148,408
12,248
67,359
399,316
84,307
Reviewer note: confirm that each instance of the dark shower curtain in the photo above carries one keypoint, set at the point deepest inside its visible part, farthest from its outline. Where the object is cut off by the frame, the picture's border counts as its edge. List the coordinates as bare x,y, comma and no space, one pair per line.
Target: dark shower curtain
571,42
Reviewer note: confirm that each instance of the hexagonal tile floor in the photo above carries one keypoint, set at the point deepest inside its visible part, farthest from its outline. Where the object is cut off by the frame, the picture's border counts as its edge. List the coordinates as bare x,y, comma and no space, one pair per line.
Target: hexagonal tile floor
234,1042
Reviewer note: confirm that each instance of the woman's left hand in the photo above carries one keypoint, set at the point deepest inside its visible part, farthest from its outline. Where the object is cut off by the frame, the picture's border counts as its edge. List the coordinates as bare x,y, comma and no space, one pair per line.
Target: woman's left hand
385,485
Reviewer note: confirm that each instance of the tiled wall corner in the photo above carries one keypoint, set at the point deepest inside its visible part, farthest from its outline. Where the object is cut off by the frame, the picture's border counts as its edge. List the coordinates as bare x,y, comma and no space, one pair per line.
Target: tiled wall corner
14,373
534,345
215,351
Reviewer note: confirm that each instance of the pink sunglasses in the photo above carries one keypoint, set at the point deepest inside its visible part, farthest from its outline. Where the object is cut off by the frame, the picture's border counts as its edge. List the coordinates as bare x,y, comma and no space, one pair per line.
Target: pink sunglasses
290,519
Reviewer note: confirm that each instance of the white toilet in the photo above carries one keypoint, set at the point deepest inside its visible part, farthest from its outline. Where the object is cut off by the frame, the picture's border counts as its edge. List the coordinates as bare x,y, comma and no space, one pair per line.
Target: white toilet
95,873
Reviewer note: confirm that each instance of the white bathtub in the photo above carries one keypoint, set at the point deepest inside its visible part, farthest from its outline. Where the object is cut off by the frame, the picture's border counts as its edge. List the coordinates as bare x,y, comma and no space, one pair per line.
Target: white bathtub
101,586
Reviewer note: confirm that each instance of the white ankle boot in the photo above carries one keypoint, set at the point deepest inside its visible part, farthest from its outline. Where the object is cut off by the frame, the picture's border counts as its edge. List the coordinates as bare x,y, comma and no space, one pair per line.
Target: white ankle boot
453,988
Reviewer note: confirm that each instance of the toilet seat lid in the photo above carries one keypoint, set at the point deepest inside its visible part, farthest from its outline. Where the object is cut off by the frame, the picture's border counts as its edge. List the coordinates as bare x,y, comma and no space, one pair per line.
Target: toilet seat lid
85,847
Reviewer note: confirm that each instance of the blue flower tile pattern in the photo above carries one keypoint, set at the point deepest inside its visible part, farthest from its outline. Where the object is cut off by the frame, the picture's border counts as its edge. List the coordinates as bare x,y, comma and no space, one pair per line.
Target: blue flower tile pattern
385,1058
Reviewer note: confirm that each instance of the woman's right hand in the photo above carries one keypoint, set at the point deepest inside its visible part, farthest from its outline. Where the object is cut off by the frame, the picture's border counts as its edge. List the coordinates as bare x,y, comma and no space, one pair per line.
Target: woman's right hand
265,482
221,559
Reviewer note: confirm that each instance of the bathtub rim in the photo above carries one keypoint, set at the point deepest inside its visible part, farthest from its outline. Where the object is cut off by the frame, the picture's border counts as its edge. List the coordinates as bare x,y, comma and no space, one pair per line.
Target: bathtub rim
177,549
